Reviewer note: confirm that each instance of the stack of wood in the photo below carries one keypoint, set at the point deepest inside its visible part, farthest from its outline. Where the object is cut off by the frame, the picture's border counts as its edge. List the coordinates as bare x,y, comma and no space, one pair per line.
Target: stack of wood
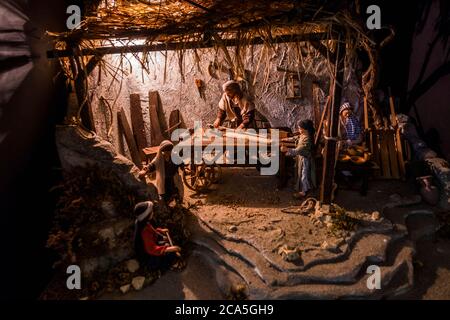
386,144
135,134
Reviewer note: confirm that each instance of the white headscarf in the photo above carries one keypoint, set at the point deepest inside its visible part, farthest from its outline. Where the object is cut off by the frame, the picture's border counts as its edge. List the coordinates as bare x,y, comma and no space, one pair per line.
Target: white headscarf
146,212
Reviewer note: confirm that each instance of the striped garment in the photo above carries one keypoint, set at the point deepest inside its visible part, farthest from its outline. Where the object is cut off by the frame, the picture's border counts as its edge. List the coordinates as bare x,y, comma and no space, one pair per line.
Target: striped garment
353,128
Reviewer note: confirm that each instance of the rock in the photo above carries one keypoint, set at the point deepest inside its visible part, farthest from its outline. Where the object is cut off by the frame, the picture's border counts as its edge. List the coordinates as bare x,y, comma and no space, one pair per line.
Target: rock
132,265
398,201
441,172
420,211
318,214
103,261
276,234
332,244
108,208
318,224
138,283
84,298
324,245
415,199
80,149
232,229
395,197
327,219
288,253
124,289
122,227
375,216
108,235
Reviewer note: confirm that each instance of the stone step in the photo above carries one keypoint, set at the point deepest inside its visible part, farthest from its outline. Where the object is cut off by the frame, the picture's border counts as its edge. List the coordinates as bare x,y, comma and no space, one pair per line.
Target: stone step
310,256
370,249
340,272
222,262
395,279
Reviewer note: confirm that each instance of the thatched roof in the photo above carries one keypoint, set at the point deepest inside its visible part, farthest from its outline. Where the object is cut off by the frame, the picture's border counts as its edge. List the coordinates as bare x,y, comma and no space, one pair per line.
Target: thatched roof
169,20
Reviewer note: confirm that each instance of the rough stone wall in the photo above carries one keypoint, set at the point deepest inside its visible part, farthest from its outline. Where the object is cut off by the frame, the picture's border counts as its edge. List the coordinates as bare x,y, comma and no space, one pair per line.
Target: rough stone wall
433,106
78,149
178,90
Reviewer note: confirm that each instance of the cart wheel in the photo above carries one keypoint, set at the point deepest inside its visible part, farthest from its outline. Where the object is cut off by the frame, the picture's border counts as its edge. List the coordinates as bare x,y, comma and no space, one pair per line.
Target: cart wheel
216,173
197,177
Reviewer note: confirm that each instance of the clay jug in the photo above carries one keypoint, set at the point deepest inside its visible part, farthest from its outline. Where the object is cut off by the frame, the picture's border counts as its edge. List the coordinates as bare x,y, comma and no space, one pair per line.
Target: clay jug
429,192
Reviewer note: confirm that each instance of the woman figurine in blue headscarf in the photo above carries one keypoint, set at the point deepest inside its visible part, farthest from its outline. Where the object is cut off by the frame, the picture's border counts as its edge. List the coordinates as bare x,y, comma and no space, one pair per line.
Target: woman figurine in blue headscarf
305,178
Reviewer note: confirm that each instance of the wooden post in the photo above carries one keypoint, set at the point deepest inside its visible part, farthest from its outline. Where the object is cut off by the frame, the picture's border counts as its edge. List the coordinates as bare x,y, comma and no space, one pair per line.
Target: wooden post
322,119
85,109
393,157
137,123
398,138
316,104
329,157
372,136
175,121
384,150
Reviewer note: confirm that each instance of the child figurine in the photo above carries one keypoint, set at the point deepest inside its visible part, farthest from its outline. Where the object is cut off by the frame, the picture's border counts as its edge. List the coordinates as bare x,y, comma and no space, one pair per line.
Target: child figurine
168,181
152,245
303,152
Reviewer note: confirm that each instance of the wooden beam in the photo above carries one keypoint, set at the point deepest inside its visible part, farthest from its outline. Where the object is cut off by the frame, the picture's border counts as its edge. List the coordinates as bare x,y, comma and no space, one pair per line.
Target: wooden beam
93,62
85,110
169,46
330,152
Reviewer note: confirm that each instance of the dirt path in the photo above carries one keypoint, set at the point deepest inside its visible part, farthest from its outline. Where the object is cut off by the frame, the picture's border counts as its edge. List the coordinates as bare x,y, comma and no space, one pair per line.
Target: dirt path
240,200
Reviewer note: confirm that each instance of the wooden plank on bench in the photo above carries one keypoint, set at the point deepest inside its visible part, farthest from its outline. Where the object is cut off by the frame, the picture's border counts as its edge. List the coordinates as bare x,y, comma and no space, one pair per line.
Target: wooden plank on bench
392,154
156,129
384,154
137,122
125,126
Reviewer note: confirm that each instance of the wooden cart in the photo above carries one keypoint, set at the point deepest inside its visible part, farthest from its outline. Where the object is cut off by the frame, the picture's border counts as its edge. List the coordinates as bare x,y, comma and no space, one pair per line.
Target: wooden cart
200,172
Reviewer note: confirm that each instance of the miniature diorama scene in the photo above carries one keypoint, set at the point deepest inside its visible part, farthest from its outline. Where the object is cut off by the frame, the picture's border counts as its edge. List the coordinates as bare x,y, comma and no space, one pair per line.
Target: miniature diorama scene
171,149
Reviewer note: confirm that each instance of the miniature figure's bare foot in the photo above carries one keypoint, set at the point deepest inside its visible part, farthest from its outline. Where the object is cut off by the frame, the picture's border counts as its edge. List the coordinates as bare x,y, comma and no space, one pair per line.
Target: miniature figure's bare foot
178,265
299,195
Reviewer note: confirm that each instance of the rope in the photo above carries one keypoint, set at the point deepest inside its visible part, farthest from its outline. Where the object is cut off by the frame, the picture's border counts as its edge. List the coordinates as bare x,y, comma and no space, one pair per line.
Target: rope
303,208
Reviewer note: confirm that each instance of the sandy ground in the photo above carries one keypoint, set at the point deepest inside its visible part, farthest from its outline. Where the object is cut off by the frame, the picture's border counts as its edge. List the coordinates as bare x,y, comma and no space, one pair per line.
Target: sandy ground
243,193
195,282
